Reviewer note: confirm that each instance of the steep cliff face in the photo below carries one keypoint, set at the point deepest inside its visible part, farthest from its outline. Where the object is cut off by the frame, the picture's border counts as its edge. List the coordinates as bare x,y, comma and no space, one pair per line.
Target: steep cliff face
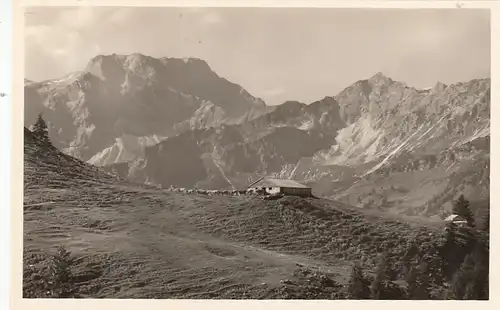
386,118
120,97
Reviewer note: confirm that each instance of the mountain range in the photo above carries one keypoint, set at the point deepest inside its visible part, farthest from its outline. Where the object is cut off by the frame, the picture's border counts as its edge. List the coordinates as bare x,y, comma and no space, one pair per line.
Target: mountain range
379,143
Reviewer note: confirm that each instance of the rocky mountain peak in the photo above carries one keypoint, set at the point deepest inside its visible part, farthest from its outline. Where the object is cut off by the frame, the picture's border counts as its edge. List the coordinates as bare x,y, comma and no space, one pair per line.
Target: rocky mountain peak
104,66
440,86
327,102
380,78
137,95
186,61
291,106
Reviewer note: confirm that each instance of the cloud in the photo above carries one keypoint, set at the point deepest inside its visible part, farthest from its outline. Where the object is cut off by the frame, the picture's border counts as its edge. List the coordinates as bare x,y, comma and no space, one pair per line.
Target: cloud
56,40
78,18
59,43
60,52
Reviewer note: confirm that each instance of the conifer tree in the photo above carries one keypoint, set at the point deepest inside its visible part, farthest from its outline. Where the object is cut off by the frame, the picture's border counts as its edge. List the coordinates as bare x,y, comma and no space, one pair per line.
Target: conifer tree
480,271
418,282
461,207
462,286
449,252
61,285
436,270
486,221
411,280
423,289
406,261
471,291
358,287
381,279
40,129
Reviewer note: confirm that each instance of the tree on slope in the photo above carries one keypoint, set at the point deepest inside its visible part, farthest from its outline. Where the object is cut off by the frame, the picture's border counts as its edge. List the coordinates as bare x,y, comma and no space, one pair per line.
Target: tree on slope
381,279
359,286
60,272
461,207
40,129
418,282
480,273
463,284
486,221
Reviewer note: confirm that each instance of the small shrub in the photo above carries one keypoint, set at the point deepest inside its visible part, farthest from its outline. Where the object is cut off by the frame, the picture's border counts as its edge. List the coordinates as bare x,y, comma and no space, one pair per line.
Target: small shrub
61,274
50,277
359,285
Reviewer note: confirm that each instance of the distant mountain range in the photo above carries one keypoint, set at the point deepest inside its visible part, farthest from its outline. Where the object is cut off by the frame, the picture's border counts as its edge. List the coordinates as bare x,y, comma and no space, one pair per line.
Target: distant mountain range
377,144
126,100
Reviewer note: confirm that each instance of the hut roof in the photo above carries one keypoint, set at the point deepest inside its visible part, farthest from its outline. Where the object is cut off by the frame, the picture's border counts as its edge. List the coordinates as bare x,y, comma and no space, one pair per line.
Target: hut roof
454,218
270,182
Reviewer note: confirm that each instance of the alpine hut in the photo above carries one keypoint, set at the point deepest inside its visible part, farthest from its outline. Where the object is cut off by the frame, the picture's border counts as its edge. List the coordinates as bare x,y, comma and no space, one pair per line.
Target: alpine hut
455,219
280,186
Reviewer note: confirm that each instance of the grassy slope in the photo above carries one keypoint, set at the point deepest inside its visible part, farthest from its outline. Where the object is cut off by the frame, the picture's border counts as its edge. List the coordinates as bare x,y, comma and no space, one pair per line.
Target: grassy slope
136,242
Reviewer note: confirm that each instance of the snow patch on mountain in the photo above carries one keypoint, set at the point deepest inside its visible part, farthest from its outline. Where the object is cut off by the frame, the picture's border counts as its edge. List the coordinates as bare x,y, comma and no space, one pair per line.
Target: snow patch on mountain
392,153
126,148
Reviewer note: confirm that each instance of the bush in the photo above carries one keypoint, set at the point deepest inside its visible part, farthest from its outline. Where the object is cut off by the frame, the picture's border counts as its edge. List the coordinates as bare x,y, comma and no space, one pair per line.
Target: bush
359,285
49,277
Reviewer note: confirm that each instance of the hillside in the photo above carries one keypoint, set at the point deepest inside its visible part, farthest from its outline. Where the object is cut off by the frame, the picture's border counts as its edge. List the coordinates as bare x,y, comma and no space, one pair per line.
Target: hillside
47,168
134,241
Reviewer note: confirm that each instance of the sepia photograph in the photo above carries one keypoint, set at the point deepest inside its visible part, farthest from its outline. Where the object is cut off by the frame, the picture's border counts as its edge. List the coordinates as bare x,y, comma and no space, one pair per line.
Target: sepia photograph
256,153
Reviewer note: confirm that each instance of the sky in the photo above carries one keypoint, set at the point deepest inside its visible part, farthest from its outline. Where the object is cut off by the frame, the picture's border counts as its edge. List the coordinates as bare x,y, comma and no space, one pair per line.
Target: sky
276,54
